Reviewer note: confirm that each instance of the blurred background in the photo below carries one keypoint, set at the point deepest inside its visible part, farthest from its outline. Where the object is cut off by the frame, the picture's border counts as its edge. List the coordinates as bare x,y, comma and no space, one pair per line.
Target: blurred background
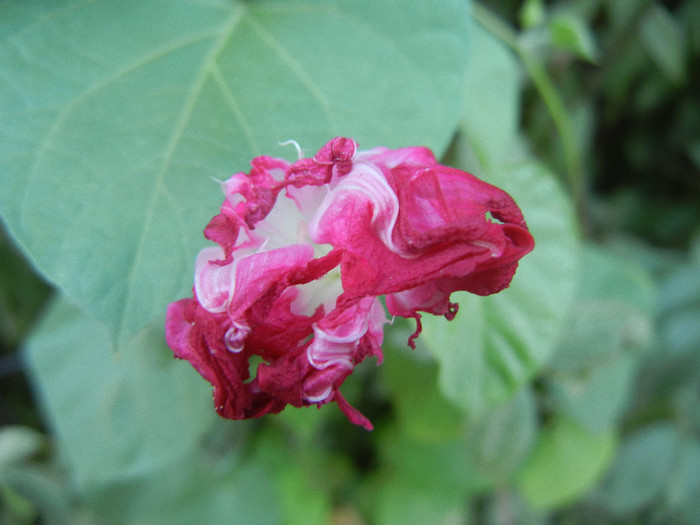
604,428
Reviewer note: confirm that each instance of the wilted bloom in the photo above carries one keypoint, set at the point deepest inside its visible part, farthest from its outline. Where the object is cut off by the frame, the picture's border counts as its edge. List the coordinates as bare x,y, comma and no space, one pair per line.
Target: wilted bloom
303,252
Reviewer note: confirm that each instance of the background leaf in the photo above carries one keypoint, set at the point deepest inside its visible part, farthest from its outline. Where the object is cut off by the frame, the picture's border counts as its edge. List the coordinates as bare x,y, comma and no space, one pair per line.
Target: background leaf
662,36
422,410
122,407
569,32
642,468
623,366
117,113
567,461
18,443
531,14
419,479
496,343
501,442
684,483
132,425
609,329
399,502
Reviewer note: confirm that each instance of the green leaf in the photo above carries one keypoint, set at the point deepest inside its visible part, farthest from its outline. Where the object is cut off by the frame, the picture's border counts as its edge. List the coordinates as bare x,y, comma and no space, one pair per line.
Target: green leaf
679,309
117,114
680,289
610,276
595,398
399,502
680,333
116,413
193,489
569,32
303,503
622,14
491,112
503,439
305,474
566,463
532,13
663,38
423,479
15,507
422,410
611,317
132,426
18,444
600,332
496,343
35,490
684,484
641,470
22,293
610,326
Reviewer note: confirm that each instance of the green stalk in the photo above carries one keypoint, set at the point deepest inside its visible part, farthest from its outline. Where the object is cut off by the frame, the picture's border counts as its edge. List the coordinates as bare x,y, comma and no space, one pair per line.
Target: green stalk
550,96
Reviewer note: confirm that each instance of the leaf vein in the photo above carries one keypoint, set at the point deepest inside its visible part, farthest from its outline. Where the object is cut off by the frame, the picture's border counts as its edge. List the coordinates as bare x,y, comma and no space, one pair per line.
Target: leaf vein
235,108
296,68
158,186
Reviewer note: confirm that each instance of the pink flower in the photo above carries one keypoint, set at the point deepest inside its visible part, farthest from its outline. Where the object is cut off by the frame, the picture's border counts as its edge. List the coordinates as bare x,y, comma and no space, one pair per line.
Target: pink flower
304,251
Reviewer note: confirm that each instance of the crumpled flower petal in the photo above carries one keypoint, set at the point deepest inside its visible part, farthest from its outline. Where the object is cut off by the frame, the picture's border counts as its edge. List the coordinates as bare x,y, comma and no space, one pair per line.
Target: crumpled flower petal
305,250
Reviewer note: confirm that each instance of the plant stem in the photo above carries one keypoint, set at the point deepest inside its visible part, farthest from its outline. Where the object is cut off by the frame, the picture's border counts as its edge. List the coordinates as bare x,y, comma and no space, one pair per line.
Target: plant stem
550,96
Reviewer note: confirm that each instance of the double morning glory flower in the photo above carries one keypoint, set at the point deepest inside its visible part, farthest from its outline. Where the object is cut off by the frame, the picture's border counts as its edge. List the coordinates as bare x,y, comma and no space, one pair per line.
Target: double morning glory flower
304,251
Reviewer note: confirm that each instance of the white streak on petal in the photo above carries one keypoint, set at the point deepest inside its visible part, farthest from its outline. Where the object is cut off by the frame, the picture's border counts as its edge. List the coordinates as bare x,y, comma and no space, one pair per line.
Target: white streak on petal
213,283
495,252
367,182
337,345
235,337
320,292
324,351
281,226
320,397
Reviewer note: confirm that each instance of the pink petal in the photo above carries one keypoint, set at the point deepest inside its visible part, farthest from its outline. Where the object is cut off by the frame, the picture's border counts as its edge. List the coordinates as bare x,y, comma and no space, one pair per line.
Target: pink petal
213,282
391,222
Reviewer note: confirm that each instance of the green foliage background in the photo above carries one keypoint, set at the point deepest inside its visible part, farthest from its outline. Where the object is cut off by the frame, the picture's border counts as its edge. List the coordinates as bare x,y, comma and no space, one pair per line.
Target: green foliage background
571,397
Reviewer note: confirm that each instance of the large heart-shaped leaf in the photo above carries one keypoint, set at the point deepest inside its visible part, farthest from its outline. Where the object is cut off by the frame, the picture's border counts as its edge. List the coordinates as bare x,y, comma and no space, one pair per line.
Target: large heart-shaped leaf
116,114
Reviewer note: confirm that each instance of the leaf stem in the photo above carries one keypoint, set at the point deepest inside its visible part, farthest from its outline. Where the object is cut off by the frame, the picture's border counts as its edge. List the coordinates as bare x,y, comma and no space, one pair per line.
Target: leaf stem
550,96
